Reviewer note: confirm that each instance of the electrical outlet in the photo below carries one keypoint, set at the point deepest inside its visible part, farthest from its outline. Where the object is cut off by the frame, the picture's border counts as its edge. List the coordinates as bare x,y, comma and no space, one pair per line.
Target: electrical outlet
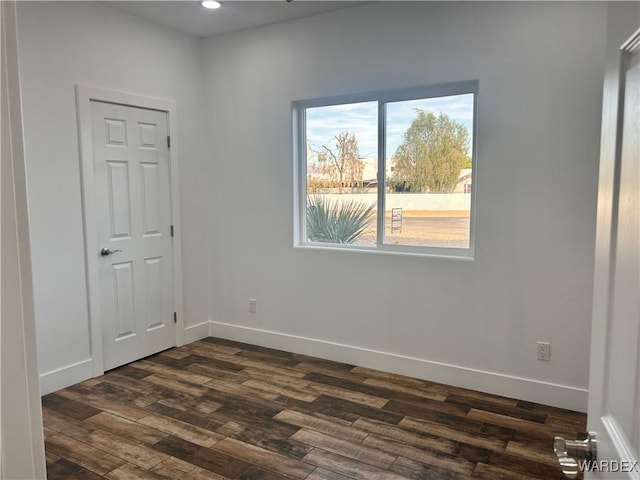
252,305
544,351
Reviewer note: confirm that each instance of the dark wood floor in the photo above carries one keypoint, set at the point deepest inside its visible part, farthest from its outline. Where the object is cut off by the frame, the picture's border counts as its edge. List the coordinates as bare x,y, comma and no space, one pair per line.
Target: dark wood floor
216,409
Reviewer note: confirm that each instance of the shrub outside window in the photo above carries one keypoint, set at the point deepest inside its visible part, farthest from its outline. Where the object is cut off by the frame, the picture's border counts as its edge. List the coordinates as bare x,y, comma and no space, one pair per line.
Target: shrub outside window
388,171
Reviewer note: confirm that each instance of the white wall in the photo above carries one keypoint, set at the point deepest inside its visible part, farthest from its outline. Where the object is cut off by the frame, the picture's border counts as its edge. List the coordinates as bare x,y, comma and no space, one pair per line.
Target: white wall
63,44
470,323
540,68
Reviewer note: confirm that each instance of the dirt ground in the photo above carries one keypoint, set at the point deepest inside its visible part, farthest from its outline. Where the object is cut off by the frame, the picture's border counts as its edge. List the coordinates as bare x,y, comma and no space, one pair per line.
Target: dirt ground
424,228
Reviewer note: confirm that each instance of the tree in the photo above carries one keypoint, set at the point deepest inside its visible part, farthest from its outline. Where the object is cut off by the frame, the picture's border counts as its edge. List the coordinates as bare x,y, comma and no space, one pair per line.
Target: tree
433,151
342,162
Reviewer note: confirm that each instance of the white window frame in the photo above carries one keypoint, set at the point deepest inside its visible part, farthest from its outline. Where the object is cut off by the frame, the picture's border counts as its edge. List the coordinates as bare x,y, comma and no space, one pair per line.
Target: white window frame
382,97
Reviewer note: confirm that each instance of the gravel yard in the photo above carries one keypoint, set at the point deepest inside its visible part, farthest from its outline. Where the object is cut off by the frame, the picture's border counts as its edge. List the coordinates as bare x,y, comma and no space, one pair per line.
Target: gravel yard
425,228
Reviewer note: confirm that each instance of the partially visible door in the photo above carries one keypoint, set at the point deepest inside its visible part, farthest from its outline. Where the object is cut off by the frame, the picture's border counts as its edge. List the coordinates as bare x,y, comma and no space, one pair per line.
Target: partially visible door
614,391
21,441
133,210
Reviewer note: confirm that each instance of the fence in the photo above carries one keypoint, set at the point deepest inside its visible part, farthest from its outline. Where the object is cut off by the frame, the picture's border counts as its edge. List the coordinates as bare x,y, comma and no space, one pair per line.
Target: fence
410,201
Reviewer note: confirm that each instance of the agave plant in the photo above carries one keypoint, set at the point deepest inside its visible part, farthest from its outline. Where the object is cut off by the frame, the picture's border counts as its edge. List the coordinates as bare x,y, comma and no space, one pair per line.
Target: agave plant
332,221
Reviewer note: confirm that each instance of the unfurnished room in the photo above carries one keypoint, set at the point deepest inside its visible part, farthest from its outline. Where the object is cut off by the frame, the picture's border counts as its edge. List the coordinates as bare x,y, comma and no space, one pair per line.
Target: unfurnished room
320,240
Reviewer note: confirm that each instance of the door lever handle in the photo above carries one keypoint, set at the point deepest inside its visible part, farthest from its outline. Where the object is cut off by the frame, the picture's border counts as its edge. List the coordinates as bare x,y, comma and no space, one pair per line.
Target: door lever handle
105,252
570,451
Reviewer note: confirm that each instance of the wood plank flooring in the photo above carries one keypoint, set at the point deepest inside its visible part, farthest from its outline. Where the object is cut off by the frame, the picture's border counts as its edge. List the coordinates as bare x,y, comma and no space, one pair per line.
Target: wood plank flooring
217,409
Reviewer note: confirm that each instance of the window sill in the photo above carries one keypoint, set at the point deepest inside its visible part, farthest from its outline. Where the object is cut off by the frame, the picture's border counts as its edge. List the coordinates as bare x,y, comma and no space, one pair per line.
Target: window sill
445,254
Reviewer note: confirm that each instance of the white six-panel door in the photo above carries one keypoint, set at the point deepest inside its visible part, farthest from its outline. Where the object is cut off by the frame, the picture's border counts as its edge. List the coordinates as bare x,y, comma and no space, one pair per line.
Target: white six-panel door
133,214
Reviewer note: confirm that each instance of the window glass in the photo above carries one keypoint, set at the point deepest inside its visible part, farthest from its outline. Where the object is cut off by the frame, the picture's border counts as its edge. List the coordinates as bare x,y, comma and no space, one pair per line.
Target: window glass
342,165
429,165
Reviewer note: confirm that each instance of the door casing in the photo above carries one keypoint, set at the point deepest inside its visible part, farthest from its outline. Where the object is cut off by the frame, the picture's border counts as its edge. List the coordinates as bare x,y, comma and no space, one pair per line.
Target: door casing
84,96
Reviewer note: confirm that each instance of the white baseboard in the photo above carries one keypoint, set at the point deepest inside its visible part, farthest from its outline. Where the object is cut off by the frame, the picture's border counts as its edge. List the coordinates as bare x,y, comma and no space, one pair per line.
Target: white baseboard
66,376
81,371
196,332
563,396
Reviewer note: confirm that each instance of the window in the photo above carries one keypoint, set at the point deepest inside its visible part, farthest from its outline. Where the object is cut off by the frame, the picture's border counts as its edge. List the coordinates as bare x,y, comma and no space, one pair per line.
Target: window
422,139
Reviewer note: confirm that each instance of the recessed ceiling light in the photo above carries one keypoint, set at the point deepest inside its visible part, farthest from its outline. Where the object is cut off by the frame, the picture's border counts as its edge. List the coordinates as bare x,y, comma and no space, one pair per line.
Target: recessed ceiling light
211,4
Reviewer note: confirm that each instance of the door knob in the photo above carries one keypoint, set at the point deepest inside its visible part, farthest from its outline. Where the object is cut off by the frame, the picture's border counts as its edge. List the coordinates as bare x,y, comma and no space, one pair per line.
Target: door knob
105,251
569,452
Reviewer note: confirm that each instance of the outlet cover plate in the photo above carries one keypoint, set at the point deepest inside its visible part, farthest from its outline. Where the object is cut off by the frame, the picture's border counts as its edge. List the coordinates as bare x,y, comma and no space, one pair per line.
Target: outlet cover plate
544,351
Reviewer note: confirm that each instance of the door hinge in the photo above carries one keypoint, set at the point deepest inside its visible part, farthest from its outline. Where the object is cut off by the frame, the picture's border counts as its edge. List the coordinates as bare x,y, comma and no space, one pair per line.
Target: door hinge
172,231
168,141
175,317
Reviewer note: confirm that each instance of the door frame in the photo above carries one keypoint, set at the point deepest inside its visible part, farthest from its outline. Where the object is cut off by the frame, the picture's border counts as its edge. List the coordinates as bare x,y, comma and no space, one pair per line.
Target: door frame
84,96
21,433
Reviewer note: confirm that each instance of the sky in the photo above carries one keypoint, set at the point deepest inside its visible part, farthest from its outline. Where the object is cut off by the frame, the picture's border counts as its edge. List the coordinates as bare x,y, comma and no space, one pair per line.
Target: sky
324,123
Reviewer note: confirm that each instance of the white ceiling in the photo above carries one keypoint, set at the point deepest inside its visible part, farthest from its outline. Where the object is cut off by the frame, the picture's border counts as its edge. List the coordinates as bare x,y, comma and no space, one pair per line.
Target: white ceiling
234,15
